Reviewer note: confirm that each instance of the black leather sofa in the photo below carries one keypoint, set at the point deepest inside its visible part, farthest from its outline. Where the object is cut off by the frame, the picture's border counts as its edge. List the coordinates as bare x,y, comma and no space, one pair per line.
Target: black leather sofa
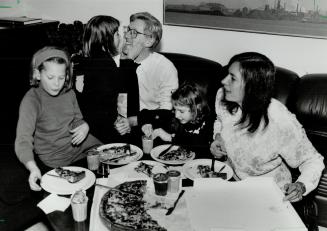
305,96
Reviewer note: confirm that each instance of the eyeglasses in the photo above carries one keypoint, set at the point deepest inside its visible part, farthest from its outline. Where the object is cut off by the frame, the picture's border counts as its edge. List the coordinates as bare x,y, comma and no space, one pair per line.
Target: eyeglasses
134,33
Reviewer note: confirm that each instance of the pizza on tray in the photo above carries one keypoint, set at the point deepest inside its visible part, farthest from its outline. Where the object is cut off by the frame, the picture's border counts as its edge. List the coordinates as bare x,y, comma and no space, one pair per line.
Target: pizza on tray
124,208
180,154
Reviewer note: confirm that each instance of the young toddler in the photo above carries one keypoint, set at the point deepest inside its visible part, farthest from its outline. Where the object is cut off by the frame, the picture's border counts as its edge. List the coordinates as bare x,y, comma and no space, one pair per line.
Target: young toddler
192,124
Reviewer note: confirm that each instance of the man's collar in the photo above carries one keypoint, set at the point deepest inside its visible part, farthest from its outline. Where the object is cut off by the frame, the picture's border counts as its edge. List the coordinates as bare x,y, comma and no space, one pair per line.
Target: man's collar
147,56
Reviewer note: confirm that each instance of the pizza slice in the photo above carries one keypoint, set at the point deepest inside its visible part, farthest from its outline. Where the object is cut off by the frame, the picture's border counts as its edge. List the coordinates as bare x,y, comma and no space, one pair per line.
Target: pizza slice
144,168
149,224
205,172
178,154
137,187
69,175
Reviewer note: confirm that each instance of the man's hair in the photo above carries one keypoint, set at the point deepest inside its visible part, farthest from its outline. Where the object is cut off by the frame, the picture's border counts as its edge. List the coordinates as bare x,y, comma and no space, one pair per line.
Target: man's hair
192,95
258,74
99,34
152,25
50,54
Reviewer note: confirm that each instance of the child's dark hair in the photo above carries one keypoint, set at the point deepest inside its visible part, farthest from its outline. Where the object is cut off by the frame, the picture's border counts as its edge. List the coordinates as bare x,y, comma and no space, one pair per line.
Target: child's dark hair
192,95
99,35
50,54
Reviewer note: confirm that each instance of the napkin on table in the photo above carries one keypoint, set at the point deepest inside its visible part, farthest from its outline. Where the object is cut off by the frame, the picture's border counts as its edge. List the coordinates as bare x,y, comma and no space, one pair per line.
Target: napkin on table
54,202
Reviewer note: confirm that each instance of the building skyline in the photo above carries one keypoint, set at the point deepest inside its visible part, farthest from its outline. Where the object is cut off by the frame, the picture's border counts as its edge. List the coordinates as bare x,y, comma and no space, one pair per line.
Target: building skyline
290,5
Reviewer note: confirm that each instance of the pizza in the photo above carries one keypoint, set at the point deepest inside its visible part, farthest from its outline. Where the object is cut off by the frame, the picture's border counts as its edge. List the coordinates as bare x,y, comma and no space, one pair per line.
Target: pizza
178,154
69,175
136,187
125,208
116,152
205,172
144,168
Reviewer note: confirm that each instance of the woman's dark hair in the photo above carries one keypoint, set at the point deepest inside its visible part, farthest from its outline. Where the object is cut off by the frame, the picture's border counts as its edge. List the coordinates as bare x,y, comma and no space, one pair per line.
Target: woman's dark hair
99,35
192,95
258,74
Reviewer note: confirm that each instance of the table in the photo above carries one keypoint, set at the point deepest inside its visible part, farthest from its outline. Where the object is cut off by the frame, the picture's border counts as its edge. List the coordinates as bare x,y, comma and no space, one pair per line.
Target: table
64,220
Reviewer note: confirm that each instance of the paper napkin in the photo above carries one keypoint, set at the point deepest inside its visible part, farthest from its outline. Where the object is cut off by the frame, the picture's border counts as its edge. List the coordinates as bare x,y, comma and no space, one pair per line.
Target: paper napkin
54,202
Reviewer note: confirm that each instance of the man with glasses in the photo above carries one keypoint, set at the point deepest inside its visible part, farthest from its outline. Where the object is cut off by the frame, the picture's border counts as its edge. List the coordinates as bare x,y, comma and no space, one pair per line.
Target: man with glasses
157,76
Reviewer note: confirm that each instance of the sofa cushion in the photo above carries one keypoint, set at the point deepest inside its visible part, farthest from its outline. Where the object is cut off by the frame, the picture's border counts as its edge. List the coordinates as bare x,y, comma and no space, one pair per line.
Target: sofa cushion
207,73
311,108
285,83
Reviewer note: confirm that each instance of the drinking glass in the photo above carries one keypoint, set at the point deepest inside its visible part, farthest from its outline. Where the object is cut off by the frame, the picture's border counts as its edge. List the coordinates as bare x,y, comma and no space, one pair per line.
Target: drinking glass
160,181
147,144
104,169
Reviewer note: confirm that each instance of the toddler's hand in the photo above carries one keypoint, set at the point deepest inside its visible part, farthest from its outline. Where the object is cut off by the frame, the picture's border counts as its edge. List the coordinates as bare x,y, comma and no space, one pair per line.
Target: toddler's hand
147,129
217,147
35,175
79,133
159,132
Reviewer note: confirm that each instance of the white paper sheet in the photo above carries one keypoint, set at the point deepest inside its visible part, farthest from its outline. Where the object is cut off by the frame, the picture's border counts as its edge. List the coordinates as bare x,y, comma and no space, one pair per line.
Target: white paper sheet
54,202
255,204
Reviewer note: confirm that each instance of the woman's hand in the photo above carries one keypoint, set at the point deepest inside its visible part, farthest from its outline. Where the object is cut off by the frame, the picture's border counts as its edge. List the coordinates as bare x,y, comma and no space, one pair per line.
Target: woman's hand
79,133
147,129
35,175
294,191
159,132
122,125
217,147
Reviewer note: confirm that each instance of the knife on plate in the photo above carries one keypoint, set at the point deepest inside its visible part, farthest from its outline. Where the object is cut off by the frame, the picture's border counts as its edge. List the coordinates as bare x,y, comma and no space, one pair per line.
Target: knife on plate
115,159
163,152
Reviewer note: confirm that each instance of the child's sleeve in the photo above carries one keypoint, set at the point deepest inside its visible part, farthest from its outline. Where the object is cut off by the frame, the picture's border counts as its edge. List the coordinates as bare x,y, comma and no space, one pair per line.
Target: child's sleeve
24,142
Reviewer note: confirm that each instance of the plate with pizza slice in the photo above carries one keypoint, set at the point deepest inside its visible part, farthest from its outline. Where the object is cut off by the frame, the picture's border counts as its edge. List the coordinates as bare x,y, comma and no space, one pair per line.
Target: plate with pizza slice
172,154
144,169
119,153
67,180
201,168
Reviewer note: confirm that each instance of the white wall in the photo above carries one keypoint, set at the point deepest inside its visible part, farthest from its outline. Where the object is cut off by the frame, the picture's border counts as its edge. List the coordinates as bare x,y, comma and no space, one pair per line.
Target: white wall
302,55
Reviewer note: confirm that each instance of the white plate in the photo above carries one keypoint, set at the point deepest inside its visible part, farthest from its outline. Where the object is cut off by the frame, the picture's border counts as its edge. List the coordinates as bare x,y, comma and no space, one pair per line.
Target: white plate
127,159
157,150
61,186
190,169
131,173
